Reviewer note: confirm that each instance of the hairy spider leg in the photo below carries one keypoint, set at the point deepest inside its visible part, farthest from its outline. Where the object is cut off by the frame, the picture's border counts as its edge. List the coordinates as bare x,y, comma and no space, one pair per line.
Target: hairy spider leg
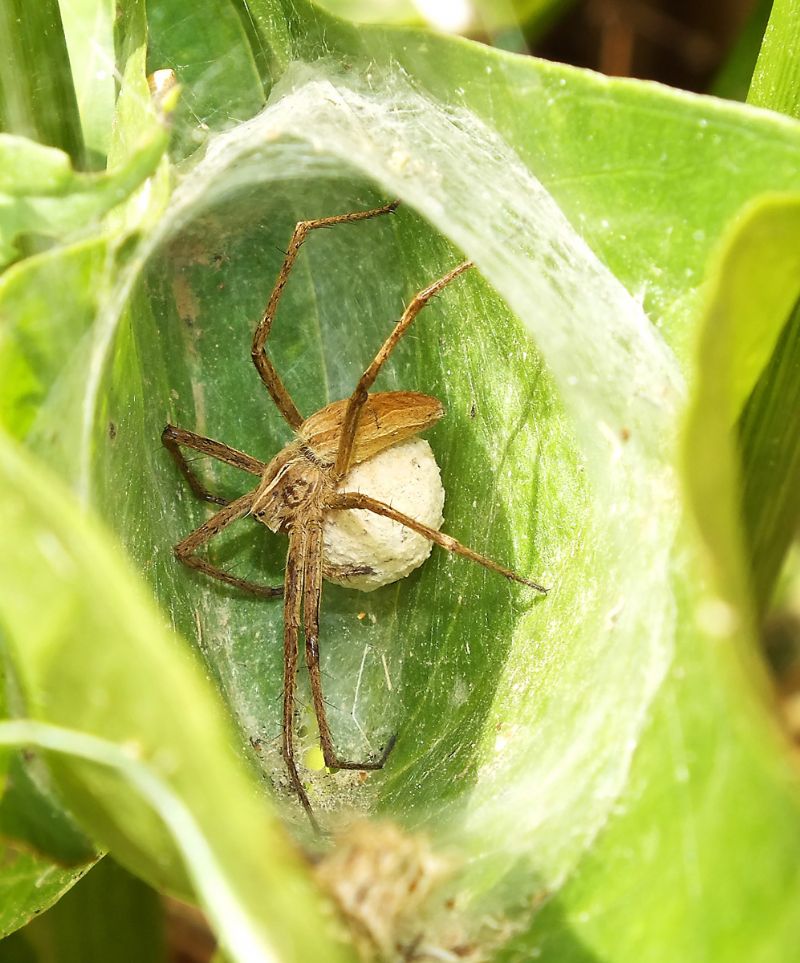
185,550
174,438
359,397
292,612
312,593
345,500
261,360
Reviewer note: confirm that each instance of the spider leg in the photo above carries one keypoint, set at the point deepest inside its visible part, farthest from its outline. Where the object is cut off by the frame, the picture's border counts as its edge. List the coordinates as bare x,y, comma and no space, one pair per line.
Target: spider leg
261,360
292,610
357,500
359,397
312,592
174,438
338,573
185,549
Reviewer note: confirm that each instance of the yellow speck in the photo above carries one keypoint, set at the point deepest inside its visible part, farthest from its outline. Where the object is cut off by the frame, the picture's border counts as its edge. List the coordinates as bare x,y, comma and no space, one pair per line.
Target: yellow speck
361,616
313,759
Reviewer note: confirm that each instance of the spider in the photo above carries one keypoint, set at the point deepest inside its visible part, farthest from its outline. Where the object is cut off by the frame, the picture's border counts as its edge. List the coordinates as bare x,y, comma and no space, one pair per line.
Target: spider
302,484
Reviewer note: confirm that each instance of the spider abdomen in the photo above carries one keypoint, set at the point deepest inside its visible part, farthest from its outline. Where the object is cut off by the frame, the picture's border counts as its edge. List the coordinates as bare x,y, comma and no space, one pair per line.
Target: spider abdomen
387,418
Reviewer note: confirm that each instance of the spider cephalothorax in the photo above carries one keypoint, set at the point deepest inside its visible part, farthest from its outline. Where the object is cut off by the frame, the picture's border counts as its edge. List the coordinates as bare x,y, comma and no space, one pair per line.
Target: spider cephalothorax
293,488
305,484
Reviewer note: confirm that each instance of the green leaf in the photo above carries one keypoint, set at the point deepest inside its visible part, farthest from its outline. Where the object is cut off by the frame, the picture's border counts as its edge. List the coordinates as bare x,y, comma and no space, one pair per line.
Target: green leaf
517,721
755,290
109,916
149,776
560,749
32,815
37,96
771,462
89,33
29,884
777,71
770,449
187,40
750,357
41,194
53,300
42,853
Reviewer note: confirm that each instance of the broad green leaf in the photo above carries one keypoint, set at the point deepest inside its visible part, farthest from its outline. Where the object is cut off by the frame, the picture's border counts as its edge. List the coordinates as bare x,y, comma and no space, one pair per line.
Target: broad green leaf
32,816
37,95
109,916
770,448
524,727
566,747
753,319
755,288
188,40
757,281
42,853
145,748
88,31
771,462
41,194
138,117
52,299
776,74
29,884
48,302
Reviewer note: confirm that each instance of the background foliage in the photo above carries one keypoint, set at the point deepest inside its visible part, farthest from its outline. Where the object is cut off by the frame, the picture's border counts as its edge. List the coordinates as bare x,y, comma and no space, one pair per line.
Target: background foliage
601,773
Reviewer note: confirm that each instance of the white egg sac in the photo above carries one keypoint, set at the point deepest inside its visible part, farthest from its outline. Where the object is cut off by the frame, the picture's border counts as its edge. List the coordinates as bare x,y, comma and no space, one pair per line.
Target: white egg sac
406,477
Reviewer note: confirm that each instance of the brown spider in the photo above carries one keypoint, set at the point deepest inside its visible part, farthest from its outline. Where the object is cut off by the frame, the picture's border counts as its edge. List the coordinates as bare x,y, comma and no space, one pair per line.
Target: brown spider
299,487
